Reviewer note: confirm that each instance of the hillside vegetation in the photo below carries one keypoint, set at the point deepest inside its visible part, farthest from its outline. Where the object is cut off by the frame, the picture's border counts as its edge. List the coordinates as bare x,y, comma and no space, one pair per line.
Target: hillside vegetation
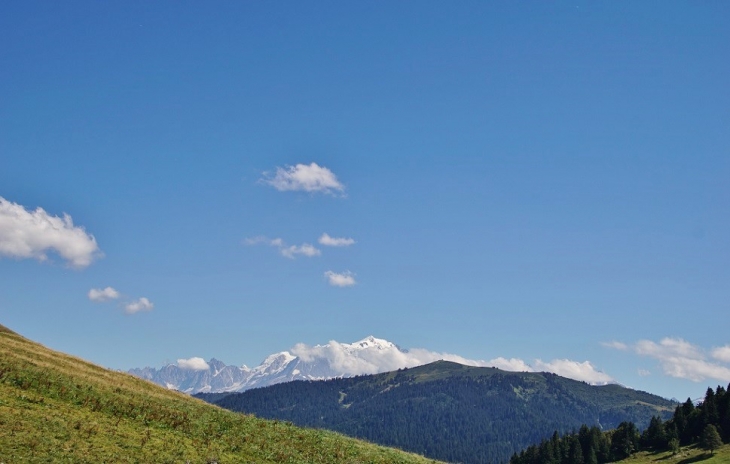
685,455
705,426
58,408
449,411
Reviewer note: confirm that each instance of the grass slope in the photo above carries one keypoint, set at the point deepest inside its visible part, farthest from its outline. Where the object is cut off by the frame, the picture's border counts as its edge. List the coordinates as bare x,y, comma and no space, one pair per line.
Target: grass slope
58,408
687,455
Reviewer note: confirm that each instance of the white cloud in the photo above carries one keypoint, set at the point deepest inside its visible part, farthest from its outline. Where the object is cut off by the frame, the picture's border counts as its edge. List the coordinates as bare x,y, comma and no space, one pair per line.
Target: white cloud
193,364
290,252
583,371
681,359
512,364
302,177
305,250
643,372
143,304
386,357
722,353
25,234
616,345
106,294
326,240
345,279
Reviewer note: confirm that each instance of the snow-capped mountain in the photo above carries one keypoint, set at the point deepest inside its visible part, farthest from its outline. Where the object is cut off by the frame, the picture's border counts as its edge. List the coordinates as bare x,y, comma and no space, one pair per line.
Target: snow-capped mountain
368,356
302,363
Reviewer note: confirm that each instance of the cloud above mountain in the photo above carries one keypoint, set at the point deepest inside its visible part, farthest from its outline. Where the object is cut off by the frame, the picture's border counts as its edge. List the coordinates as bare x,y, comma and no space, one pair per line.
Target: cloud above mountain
32,234
193,364
681,359
584,371
304,177
388,357
383,357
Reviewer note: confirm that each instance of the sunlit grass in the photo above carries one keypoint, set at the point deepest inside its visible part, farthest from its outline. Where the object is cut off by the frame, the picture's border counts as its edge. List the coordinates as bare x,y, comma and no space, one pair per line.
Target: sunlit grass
58,408
686,455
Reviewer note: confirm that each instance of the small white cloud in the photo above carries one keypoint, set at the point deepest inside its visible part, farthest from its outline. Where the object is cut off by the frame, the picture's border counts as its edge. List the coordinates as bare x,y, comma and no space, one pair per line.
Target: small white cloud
25,234
616,345
644,372
302,177
326,240
304,250
105,294
290,252
345,279
143,304
722,353
583,371
193,364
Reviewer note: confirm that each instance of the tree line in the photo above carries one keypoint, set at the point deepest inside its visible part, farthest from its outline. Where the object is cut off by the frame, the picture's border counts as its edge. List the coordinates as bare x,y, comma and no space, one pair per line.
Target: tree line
707,424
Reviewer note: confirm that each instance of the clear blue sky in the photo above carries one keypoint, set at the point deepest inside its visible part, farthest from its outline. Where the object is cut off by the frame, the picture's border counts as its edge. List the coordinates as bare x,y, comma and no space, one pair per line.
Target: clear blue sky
522,180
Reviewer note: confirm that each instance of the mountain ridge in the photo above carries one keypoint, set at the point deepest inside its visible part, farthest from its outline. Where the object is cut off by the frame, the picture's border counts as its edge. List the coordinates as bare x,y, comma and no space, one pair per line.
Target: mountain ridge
370,355
450,411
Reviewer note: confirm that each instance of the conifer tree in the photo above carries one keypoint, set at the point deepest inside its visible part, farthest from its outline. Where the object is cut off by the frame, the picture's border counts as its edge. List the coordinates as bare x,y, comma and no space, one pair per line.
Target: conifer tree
710,439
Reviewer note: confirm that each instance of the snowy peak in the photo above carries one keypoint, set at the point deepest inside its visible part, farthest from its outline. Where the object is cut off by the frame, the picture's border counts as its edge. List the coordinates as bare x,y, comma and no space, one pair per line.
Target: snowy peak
303,362
373,343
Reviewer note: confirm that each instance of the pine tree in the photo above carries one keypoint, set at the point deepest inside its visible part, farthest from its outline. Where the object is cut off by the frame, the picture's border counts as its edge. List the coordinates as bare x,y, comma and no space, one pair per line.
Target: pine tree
710,439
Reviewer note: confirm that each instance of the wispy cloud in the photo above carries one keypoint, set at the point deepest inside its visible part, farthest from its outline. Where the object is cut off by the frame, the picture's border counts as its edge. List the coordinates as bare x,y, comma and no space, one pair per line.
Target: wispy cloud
288,251
326,240
681,359
616,345
142,304
26,234
193,364
303,177
345,279
584,371
722,353
103,294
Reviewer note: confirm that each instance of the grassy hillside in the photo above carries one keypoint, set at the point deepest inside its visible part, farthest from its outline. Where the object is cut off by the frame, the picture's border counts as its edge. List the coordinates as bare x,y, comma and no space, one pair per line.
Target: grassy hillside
687,455
58,408
449,411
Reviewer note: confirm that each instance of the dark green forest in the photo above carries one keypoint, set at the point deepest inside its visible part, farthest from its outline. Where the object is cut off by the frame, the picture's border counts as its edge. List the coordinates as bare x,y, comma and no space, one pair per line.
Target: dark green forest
707,425
451,412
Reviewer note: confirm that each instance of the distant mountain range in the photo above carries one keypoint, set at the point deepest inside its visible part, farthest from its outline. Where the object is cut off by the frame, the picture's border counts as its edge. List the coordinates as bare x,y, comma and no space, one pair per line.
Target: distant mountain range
317,364
333,360
449,411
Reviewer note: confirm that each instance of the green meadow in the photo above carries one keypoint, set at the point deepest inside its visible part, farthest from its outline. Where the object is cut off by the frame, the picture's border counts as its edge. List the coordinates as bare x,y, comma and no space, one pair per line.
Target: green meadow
59,408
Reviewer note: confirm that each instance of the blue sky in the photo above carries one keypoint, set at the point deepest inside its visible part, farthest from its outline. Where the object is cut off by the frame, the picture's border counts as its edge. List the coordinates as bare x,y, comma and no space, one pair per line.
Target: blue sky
521,180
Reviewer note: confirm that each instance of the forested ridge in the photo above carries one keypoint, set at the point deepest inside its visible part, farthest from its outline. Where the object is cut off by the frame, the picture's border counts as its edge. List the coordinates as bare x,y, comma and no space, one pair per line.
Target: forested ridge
706,425
451,412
